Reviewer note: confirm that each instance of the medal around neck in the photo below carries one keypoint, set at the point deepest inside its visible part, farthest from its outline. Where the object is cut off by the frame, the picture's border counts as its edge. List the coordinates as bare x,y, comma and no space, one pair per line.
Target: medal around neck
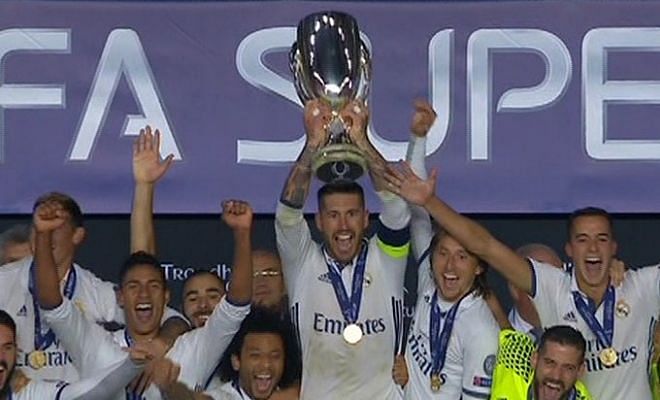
37,359
608,357
352,334
436,382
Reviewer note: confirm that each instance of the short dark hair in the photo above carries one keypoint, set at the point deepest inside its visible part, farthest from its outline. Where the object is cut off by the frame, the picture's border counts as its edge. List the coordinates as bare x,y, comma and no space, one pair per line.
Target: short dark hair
201,272
263,320
67,202
8,321
140,258
589,212
480,285
340,187
564,335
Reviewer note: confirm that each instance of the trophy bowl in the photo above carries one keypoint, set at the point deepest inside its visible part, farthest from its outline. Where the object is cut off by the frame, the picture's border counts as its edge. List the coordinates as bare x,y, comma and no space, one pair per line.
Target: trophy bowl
330,62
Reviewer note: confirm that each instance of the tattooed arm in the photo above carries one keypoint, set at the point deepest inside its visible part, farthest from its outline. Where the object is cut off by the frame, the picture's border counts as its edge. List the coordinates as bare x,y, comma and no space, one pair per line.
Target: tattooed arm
296,189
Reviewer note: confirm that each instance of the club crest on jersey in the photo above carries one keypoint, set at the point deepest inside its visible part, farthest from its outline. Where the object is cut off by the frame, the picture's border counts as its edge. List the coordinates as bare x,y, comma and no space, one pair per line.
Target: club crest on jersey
570,317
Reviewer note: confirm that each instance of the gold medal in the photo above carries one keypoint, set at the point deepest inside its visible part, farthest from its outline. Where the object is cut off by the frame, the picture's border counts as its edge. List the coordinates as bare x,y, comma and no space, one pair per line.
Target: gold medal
37,359
352,334
622,309
608,357
436,382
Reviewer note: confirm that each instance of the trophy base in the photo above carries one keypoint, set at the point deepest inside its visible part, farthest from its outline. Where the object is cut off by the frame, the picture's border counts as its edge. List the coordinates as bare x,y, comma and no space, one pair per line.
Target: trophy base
337,162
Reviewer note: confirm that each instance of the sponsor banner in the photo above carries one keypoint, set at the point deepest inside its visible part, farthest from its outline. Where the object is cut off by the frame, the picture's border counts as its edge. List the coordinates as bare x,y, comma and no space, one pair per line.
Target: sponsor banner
542,106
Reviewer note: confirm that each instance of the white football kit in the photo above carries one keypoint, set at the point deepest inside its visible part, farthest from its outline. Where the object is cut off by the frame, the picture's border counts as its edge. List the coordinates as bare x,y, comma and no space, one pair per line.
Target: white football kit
95,298
98,387
198,352
333,368
227,391
637,303
471,349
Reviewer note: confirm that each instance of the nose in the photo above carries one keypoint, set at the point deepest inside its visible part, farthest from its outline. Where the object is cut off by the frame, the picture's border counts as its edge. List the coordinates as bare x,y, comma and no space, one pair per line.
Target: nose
343,222
204,303
592,245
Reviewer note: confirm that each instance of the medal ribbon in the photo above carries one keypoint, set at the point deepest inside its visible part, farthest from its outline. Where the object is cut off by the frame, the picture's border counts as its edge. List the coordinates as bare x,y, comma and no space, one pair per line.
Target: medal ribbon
440,340
350,307
43,341
605,332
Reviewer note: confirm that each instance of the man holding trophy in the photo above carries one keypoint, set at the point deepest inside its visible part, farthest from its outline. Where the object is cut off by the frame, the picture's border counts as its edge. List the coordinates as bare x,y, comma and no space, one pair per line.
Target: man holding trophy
346,294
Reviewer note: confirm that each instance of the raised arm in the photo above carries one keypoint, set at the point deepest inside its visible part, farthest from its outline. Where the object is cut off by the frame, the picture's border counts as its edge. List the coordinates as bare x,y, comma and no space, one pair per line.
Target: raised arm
470,234
48,217
238,216
148,168
356,115
317,115
420,223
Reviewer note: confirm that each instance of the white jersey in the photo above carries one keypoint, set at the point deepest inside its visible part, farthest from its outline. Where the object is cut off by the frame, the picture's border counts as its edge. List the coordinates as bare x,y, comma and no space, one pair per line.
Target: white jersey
227,391
94,297
633,332
198,352
96,388
332,368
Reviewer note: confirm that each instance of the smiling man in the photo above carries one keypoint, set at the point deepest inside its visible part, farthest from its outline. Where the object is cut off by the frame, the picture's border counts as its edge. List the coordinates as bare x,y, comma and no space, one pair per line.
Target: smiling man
550,372
346,294
615,321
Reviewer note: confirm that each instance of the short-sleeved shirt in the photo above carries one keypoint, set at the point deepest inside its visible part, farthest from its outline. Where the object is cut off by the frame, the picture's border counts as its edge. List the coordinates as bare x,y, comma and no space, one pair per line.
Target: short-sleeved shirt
333,368
633,331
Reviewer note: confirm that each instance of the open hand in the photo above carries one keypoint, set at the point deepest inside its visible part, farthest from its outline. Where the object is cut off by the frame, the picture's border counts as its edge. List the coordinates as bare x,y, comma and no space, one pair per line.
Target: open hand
147,164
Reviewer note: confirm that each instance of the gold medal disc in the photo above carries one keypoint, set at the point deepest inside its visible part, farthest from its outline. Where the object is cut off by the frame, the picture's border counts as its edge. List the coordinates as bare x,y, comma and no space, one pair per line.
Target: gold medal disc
352,334
608,357
37,359
436,383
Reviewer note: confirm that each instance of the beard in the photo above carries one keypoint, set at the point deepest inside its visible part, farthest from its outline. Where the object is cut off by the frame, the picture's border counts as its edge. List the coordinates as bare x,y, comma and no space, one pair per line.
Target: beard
5,390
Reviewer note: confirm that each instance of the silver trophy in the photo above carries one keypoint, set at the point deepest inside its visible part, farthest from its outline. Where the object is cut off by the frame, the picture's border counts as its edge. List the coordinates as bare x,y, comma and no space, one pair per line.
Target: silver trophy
329,61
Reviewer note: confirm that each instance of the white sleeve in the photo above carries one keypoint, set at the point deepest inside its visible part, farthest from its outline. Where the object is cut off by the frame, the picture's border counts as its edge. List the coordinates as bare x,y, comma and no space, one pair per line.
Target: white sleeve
547,282
199,351
479,352
294,242
421,230
106,302
91,348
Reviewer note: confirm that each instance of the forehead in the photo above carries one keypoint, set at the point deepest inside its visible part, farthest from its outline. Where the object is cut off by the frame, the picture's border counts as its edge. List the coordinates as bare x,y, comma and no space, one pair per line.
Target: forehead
447,242
337,201
595,224
261,261
264,341
143,272
561,353
202,282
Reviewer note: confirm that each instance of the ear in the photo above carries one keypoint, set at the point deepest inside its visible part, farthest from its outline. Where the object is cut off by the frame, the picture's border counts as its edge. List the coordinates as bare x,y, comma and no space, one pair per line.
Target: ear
78,235
317,219
535,358
365,223
582,370
235,362
568,249
167,296
120,297
479,270
615,246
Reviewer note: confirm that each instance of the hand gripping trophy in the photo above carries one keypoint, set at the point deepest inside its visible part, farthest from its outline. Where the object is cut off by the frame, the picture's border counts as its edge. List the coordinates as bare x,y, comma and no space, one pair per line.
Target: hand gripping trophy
329,61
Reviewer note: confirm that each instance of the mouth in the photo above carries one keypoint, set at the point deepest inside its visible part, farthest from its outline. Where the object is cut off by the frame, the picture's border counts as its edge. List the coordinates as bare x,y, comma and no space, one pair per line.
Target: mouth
593,264
263,382
144,312
450,280
551,390
201,318
344,241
